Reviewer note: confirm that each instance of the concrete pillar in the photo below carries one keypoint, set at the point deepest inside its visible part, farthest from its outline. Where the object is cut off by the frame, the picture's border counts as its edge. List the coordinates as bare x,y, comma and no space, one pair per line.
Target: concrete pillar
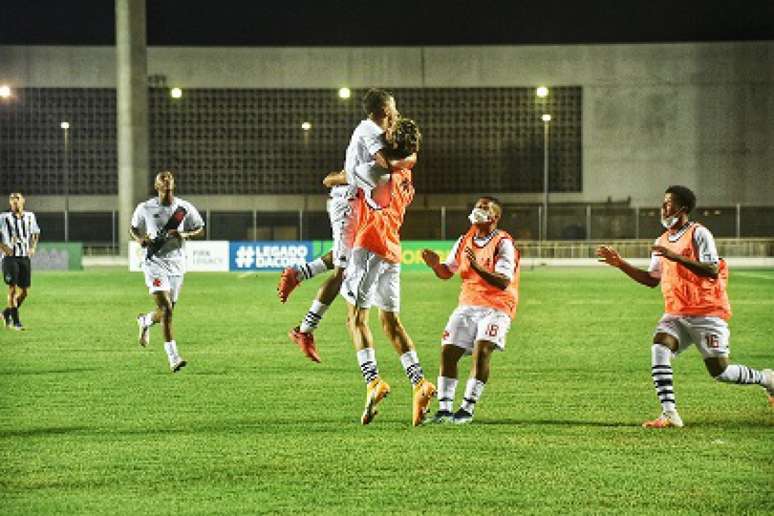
132,104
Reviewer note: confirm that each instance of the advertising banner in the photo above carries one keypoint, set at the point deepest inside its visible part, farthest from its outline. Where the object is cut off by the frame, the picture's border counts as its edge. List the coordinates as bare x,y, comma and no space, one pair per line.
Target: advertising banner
200,256
411,251
58,256
268,255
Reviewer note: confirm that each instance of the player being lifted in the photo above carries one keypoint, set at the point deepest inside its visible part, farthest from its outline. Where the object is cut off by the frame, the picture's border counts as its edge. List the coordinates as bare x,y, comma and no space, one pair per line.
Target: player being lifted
161,225
693,281
488,264
373,277
366,145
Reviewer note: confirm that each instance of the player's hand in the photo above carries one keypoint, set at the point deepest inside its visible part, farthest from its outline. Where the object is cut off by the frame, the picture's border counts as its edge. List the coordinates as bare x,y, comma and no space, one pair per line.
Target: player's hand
145,242
609,256
660,250
431,258
173,233
32,251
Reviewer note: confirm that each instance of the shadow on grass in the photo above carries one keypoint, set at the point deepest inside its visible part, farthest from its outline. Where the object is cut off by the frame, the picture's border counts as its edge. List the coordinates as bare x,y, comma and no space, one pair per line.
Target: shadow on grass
40,372
44,431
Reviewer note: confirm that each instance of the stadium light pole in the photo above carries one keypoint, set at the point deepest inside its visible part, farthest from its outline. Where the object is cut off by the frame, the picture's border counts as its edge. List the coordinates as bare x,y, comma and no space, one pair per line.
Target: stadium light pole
66,128
546,118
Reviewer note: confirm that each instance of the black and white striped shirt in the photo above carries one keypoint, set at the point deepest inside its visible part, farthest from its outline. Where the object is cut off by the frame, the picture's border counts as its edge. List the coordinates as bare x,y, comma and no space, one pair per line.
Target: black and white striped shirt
16,231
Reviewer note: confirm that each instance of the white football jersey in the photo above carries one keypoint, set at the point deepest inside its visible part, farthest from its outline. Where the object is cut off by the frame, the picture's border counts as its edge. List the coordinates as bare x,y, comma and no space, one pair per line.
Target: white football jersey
16,232
151,216
703,242
366,141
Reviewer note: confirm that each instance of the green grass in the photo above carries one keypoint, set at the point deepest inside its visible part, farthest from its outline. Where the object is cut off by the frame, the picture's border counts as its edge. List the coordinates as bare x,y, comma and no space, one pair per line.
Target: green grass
91,423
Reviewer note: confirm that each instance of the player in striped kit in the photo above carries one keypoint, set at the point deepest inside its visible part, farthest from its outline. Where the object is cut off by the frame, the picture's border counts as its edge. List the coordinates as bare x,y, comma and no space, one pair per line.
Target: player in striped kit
20,233
489,266
693,280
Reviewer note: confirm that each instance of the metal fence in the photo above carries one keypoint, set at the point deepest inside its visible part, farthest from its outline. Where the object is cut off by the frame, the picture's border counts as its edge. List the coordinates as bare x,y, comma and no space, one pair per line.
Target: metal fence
566,223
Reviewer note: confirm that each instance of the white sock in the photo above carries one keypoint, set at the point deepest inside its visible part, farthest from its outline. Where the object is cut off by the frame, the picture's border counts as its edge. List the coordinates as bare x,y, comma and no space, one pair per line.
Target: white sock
313,317
446,389
171,349
740,374
147,319
473,391
310,269
367,360
410,362
661,372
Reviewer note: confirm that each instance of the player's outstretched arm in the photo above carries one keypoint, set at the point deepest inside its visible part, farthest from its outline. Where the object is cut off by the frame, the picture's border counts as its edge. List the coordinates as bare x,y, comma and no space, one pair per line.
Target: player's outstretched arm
335,179
433,261
405,163
611,257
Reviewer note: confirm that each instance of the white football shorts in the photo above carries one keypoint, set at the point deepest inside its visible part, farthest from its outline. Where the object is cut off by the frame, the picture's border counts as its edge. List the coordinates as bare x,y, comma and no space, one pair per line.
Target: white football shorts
710,334
371,280
470,324
344,213
157,279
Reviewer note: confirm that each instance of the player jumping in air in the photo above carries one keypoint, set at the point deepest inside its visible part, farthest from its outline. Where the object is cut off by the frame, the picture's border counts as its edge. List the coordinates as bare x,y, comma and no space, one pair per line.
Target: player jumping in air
366,145
488,264
161,225
373,277
693,281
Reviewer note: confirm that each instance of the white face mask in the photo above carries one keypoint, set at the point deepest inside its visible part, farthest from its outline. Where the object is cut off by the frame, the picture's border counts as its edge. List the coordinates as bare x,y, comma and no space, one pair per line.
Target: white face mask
669,221
479,216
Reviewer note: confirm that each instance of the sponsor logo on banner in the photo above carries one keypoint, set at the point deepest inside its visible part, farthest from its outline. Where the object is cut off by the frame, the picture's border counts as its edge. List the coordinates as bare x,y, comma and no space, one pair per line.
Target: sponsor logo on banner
268,255
200,256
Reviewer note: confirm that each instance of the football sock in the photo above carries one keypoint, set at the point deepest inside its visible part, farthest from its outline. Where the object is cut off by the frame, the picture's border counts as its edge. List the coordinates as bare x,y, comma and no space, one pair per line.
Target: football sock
310,269
171,349
15,315
446,389
473,391
740,374
367,360
410,362
147,319
661,371
313,317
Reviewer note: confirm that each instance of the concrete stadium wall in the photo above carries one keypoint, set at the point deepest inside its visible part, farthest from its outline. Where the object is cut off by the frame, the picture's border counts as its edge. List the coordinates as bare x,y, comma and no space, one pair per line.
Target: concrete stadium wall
700,114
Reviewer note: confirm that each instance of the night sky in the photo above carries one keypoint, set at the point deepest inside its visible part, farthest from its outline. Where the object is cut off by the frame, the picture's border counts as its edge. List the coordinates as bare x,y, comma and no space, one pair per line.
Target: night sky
397,22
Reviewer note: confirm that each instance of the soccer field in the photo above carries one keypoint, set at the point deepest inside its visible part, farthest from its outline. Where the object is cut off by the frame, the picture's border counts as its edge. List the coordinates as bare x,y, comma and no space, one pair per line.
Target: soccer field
92,423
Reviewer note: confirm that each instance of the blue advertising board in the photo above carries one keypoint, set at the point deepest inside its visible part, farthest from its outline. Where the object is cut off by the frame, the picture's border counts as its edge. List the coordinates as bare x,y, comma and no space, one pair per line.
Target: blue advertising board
268,255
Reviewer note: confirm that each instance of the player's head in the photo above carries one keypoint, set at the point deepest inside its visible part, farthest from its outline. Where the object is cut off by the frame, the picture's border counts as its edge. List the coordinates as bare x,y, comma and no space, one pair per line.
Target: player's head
164,182
16,202
678,202
379,105
405,139
486,212
680,198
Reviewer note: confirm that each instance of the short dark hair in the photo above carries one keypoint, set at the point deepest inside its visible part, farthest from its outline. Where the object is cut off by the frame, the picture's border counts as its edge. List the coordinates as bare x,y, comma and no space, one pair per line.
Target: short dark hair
375,100
406,138
685,197
493,200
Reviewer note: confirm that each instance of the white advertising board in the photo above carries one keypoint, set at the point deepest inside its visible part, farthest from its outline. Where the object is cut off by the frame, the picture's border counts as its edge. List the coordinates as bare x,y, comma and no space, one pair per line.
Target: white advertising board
200,256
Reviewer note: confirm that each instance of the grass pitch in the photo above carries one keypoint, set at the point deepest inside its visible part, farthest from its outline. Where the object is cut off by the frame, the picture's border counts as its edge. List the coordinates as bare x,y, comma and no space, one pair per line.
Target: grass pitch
91,423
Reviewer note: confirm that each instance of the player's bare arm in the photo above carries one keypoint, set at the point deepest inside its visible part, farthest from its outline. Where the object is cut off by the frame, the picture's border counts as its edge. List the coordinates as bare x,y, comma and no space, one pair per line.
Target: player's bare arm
34,243
709,270
433,261
495,279
6,250
336,178
611,257
138,237
407,162
186,235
